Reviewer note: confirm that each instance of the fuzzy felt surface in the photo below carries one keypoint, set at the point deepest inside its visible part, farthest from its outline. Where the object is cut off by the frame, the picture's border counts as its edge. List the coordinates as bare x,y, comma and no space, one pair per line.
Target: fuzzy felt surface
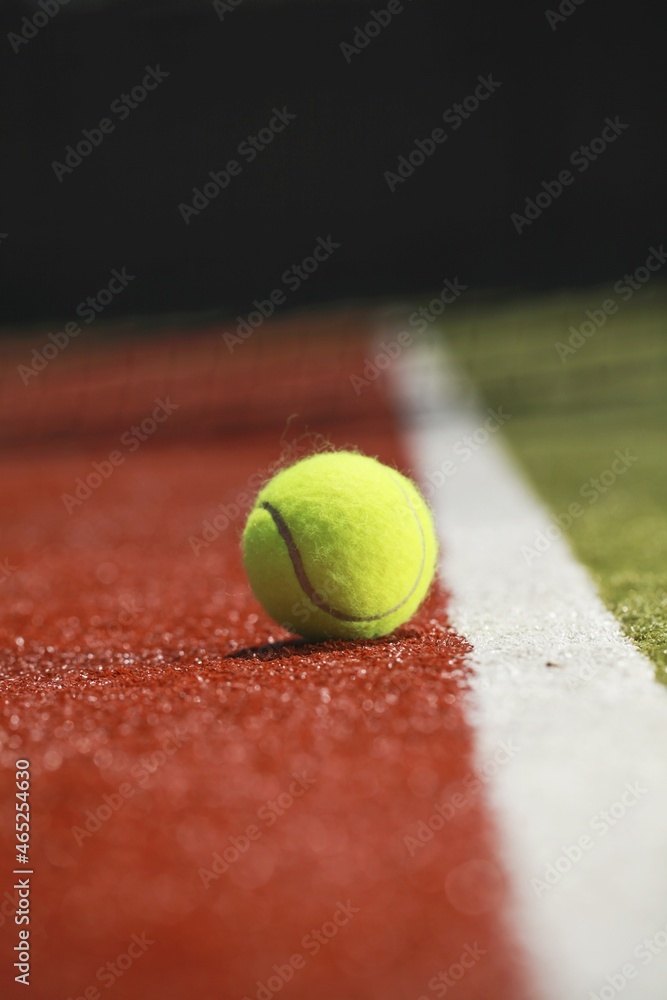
340,546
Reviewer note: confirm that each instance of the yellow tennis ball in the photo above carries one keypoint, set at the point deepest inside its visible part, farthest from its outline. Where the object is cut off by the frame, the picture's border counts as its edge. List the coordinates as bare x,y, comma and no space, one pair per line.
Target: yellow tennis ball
340,546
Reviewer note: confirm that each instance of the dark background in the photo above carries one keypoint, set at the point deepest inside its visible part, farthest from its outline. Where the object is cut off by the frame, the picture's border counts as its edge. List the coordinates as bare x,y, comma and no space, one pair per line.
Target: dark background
324,174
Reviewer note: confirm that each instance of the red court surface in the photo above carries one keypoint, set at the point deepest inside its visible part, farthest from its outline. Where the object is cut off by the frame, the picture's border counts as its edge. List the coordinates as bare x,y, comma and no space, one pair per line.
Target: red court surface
245,805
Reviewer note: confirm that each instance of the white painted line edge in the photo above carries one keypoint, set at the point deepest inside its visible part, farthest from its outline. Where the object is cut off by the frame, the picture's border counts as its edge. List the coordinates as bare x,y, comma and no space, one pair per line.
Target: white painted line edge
590,779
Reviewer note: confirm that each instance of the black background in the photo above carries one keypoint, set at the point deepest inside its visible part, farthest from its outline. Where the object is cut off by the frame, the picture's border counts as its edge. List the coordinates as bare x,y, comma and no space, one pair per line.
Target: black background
324,174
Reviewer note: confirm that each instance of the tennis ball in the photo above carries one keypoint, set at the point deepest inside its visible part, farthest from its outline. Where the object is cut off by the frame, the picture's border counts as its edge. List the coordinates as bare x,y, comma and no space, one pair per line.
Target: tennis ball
340,546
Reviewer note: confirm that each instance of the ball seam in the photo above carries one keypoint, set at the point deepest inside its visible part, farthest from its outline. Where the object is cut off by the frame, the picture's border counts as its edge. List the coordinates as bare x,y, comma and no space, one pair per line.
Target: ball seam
299,569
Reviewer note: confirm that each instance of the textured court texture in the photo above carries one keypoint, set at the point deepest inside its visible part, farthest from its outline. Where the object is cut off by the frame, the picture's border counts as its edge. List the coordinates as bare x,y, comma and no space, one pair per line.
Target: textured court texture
200,779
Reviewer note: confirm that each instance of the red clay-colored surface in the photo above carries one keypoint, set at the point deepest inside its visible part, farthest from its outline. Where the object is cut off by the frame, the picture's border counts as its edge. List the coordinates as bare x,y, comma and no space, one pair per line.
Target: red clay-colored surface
129,661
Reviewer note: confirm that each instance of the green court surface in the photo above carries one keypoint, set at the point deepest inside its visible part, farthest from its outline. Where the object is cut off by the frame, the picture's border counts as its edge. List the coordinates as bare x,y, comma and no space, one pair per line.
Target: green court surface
575,400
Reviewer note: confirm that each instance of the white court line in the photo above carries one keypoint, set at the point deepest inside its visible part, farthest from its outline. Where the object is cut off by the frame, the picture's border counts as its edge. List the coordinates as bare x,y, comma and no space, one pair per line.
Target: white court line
587,728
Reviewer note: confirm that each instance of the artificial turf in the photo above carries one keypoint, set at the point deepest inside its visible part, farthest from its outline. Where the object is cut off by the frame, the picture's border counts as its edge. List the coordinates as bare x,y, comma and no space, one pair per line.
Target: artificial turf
570,412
